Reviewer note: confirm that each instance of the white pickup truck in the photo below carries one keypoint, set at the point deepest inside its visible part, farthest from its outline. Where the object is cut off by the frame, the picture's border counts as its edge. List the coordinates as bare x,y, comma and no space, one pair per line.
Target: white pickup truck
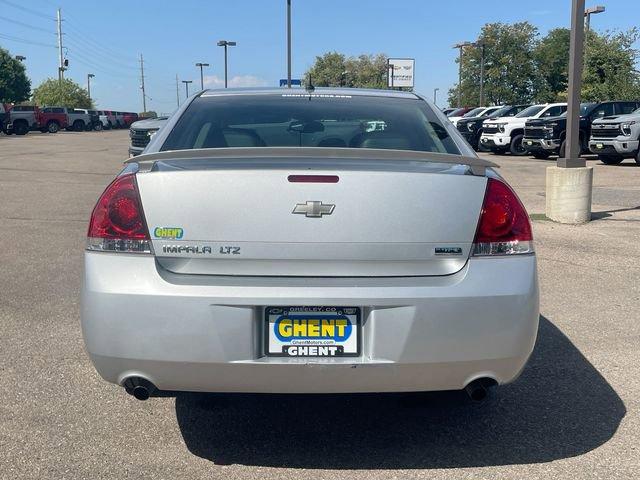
505,134
615,138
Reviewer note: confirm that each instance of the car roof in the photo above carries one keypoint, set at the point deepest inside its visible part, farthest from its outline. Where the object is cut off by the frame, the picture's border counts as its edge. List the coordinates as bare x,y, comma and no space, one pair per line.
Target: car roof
361,92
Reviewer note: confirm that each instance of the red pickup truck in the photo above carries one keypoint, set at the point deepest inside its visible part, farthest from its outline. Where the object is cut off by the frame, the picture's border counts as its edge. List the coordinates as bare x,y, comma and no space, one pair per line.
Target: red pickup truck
21,119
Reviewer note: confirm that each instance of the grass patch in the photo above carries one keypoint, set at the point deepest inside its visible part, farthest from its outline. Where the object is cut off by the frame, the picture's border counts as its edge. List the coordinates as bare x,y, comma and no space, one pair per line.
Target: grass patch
539,216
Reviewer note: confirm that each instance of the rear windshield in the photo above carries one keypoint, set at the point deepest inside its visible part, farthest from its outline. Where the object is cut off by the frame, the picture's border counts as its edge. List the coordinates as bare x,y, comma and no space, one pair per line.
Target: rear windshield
303,120
474,113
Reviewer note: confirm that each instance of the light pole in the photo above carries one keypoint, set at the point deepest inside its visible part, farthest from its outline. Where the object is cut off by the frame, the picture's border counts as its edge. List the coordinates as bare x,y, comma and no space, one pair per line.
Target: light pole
201,75
186,86
20,58
461,47
482,45
435,96
570,182
591,11
288,43
225,44
89,77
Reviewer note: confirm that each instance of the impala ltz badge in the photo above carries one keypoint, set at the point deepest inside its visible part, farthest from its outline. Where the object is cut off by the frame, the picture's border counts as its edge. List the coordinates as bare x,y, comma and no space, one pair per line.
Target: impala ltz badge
314,209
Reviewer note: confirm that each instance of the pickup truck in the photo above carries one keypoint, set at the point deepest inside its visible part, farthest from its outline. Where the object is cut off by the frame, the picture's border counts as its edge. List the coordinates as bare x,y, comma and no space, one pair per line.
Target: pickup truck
22,119
4,109
141,133
94,119
78,120
471,127
546,136
615,138
506,133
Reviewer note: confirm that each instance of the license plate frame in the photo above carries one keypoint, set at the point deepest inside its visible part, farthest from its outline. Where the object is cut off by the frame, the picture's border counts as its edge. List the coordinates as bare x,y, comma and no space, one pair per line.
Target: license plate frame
352,314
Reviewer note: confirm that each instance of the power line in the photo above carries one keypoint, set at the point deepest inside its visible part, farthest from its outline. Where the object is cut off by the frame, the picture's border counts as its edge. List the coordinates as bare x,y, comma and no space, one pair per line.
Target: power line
101,57
23,40
26,25
28,10
86,37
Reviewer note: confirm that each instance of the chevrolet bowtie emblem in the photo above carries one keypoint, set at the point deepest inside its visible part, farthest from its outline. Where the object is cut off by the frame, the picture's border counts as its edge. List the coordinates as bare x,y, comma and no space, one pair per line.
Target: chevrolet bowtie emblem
314,209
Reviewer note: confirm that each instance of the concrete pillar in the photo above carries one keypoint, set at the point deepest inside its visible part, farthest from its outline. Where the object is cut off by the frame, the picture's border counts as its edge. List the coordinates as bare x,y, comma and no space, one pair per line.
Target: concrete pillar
569,194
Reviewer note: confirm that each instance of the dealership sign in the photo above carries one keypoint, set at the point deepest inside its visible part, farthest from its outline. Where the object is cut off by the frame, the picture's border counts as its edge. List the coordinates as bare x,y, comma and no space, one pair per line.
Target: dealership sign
400,72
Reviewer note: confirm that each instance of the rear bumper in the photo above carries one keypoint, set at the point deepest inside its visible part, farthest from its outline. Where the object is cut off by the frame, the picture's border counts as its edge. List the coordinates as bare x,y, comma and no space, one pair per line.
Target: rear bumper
624,147
205,333
538,144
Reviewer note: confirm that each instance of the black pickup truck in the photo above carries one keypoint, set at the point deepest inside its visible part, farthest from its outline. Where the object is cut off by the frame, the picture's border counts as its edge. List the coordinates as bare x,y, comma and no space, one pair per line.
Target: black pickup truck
471,128
544,137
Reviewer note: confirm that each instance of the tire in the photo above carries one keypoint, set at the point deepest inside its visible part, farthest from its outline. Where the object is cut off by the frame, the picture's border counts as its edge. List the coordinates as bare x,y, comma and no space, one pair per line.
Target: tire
637,157
584,147
610,159
98,126
563,149
20,128
516,147
78,126
110,125
541,155
53,127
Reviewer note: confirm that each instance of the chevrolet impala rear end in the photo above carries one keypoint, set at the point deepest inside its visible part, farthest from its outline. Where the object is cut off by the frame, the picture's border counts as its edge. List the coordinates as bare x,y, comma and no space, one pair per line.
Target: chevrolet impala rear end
309,242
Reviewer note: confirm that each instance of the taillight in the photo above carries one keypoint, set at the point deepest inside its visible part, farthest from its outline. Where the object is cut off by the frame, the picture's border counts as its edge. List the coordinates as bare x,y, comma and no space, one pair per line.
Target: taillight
504,227
117,222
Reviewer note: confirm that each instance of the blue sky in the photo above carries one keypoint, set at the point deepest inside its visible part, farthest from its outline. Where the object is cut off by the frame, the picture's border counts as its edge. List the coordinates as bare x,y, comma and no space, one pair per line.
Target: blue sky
106,38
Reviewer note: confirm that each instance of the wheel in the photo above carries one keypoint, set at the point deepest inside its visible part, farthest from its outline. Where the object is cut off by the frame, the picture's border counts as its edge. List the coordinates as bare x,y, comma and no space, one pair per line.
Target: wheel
53,127
516,148
541,155
610,159
98,126
78,125
20,128
637,157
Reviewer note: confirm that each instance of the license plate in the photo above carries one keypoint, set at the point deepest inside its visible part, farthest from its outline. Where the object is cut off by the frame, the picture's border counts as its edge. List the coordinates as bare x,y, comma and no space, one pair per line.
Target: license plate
312,331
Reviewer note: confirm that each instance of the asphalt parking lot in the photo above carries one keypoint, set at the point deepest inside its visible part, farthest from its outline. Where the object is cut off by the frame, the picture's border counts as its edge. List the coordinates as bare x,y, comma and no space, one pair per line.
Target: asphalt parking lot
574,413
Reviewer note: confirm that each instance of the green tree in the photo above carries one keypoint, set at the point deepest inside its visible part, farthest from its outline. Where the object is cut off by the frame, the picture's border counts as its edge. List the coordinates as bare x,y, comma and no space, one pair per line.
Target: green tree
510,69
610,67
66,93
552,61
334,69
14,85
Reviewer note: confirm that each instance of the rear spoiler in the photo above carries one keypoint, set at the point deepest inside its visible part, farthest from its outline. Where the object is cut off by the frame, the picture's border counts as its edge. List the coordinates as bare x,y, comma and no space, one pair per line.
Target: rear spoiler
477,165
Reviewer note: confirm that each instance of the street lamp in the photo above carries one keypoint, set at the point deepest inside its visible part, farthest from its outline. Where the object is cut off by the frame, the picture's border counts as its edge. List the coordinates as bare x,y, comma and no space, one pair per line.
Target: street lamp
201,76
435,96
592,11
20,58
481,44
225,44
186,86
461,47
89,77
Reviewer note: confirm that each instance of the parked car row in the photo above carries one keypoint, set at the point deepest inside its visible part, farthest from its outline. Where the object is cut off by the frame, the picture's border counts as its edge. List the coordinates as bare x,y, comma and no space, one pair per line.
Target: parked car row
609,129
21,119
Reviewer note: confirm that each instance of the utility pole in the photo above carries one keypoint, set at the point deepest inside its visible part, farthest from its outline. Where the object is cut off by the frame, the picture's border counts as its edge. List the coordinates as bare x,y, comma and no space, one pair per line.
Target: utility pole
435,96
177,92
144,95
461,47
61,58
89,77
288,43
